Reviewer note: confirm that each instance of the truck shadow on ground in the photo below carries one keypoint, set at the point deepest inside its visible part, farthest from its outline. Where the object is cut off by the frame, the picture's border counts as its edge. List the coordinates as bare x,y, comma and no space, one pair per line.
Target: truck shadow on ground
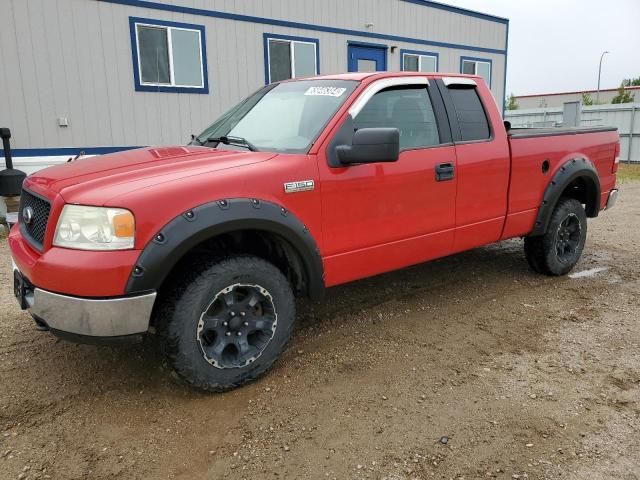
485,266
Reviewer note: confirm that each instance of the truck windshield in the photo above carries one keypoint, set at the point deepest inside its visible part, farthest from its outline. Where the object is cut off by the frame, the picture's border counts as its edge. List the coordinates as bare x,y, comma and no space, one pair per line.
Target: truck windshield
286,117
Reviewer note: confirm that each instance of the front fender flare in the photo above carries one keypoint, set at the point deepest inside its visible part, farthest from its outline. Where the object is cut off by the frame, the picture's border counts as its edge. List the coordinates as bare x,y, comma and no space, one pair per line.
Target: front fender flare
567,173
206,221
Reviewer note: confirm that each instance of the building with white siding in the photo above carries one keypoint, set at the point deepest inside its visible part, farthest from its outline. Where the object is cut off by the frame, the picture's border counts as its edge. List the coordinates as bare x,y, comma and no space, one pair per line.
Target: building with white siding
107,75
558,99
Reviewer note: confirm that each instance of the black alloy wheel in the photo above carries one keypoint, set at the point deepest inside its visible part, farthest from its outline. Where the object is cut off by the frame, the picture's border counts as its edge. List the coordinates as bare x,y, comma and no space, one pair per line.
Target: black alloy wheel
568,238
237,325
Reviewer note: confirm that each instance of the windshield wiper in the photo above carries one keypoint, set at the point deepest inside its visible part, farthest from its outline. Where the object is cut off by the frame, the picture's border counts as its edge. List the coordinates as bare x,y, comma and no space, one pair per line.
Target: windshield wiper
237,141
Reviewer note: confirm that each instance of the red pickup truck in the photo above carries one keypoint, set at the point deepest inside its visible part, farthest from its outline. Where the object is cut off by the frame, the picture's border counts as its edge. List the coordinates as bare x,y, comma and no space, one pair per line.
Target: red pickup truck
304,185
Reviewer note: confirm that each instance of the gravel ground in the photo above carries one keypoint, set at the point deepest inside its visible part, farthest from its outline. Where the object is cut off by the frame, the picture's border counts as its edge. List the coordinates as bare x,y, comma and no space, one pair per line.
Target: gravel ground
468,367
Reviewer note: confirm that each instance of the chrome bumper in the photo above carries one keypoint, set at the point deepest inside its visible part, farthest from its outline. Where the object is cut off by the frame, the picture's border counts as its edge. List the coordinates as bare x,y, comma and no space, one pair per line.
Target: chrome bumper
96,318
613,197
108,317
113,317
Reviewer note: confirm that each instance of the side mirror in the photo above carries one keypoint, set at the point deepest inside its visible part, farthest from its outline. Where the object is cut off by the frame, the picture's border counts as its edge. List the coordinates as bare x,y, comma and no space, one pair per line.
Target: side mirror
371,145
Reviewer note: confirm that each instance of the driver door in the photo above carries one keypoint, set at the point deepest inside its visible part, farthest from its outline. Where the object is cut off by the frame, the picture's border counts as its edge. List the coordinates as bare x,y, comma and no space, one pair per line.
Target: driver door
382,216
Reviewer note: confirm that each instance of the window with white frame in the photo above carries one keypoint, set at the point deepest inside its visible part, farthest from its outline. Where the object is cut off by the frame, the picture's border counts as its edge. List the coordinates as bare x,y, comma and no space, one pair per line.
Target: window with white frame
416,62
472,66
169,55
290,57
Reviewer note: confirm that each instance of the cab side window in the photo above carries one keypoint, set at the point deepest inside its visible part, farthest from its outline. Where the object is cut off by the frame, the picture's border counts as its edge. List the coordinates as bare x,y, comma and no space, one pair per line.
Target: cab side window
408,109
472,118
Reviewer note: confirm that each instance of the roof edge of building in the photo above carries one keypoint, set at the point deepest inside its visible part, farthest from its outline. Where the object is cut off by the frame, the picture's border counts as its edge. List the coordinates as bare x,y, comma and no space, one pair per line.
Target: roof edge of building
633,87
460,10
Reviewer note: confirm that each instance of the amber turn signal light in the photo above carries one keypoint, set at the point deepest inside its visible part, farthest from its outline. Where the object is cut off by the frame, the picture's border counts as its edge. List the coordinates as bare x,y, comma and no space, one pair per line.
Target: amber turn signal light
124,225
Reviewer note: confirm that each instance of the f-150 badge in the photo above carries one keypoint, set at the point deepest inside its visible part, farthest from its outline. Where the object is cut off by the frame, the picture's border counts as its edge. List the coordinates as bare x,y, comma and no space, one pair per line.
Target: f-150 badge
300,186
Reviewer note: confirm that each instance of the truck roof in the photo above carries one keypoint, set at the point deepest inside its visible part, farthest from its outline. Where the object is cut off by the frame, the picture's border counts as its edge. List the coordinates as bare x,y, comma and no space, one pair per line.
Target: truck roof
359,76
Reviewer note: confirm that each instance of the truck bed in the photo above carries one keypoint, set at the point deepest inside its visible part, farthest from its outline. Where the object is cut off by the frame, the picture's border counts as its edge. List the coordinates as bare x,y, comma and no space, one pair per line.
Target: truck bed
518,132
530,148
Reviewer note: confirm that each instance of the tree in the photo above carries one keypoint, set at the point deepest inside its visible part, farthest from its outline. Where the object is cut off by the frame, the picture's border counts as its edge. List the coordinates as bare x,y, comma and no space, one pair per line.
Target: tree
631,82
512,103
623,96
586,99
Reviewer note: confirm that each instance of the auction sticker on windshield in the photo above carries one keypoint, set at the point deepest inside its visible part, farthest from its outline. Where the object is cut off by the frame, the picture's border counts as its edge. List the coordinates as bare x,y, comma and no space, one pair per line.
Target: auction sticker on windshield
326,91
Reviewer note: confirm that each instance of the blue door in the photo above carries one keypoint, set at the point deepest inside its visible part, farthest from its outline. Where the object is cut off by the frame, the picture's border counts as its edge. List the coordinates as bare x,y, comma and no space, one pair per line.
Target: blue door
367,58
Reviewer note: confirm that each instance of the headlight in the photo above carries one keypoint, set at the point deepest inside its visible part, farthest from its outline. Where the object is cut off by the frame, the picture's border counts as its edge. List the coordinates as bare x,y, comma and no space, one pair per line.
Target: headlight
95,228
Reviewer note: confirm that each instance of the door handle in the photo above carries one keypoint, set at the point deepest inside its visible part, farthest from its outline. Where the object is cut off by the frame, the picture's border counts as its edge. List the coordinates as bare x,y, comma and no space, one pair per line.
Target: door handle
445,171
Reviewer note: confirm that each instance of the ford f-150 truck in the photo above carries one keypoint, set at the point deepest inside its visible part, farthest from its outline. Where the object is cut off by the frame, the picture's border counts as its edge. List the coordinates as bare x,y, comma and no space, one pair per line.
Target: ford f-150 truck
304,185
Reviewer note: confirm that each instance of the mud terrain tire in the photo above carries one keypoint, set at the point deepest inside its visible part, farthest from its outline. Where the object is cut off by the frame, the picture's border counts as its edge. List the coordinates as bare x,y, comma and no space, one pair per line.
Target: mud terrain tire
227,322
559,249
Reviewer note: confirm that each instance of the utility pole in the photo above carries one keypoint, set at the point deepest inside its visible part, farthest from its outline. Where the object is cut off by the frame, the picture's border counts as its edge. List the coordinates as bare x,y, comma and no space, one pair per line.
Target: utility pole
599,72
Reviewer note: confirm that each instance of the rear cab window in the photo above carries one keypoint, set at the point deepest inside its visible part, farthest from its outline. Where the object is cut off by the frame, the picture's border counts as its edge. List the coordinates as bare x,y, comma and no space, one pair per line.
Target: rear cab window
469,112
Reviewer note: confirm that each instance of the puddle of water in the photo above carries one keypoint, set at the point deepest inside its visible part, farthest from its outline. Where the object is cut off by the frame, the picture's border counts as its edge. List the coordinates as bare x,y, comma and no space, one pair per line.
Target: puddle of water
588,273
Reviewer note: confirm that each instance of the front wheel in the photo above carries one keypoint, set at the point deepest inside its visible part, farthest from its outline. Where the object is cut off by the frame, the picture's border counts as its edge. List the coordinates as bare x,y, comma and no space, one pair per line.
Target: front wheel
228,322
558,250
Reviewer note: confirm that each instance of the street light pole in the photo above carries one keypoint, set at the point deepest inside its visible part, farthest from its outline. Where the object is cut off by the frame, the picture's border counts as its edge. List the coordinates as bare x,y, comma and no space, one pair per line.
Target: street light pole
600,71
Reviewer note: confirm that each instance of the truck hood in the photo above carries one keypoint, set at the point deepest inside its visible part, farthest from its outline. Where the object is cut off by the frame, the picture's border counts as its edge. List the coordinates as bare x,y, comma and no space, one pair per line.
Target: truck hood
95,180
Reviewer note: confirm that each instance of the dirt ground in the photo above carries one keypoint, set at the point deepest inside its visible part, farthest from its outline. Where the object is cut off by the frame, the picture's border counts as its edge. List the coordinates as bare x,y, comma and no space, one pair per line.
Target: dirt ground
526,377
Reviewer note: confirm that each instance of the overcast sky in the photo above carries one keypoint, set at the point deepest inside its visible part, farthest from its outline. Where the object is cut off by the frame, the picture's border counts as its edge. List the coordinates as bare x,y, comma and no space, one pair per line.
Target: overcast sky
556,45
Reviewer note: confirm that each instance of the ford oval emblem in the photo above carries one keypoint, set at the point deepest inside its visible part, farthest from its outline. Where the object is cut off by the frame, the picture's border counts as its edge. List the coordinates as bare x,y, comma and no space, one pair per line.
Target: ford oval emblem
27,215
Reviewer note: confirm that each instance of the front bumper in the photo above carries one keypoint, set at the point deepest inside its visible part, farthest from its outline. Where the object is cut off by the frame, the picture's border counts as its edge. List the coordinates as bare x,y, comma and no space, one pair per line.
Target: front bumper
612,198
77,273
85,317
113,317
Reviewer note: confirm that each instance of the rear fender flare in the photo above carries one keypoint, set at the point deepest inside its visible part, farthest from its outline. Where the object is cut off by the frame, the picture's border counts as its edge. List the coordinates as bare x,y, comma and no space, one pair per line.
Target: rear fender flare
567,173
169,245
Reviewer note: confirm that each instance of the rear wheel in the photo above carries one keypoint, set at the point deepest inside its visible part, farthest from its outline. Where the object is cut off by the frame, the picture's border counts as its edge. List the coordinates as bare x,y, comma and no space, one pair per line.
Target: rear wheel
229,322
559,249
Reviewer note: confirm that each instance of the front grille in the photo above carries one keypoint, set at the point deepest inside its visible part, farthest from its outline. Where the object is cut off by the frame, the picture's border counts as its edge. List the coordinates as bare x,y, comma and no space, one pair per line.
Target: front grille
35,230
